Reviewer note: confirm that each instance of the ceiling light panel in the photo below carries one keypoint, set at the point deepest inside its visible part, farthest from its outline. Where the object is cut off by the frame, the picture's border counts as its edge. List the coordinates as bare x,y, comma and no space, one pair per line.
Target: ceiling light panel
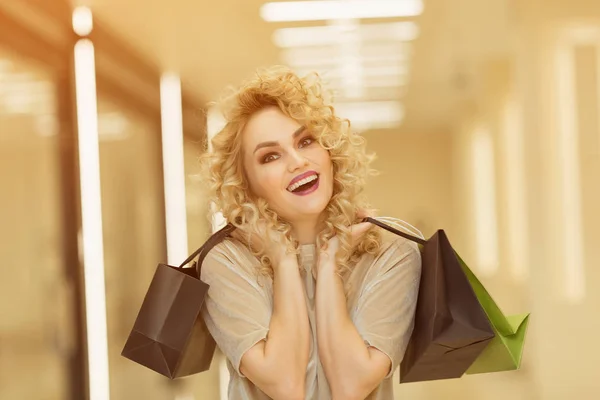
332,35
328,55
348,9
365,71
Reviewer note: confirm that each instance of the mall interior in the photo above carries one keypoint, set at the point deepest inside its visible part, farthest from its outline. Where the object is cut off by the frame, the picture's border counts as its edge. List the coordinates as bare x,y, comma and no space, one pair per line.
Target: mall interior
484,115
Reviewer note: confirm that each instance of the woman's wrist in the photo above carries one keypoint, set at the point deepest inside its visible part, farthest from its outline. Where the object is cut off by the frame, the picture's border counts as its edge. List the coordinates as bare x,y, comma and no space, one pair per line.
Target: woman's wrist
326,264
285,260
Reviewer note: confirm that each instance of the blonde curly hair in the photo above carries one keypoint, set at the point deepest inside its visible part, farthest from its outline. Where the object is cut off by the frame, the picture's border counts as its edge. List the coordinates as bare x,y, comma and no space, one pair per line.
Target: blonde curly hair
304,100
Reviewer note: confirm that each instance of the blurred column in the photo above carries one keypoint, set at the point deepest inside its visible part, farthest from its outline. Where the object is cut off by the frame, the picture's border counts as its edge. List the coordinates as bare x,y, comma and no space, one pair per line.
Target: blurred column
532,73
503,114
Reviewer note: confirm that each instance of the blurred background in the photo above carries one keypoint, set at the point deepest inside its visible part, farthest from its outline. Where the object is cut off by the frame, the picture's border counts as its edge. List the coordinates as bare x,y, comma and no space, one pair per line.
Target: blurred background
484,115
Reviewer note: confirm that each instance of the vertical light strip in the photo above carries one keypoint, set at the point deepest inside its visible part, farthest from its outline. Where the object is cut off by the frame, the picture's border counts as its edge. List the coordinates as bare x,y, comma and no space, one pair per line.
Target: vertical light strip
174,168
214,123
515,190
486,227
570,188
91,218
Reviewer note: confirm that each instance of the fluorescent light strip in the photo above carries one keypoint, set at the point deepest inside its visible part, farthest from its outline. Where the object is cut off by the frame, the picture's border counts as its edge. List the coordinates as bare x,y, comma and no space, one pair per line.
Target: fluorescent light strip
215,122
371,93
375,72
330,10
295,61
366,75
82,21
174,168
91,219
327,55
484,196
332,35
570,187
398,81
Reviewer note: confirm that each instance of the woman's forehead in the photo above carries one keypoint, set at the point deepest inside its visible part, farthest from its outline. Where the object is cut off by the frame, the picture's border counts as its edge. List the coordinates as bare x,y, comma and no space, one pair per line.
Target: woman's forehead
269,124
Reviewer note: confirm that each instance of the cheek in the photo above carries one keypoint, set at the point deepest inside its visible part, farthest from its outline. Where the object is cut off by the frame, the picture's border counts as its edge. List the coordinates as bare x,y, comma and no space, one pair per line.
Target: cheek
265,180
318,155
324,158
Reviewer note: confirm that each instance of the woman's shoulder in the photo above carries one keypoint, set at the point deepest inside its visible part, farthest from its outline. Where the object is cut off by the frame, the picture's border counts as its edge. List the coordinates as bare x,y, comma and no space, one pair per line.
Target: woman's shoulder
394,250
397,258
232,255
393,244
229,247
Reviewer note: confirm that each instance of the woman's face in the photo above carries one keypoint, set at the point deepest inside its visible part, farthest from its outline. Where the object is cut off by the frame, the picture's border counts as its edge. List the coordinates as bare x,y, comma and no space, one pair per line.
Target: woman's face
286,165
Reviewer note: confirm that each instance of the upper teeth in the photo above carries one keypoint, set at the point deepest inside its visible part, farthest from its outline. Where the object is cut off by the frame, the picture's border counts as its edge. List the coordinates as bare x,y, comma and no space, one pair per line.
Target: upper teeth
301,182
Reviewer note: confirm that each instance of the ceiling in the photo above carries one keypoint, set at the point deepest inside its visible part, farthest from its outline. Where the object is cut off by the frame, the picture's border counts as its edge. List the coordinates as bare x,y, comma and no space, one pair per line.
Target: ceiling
218,44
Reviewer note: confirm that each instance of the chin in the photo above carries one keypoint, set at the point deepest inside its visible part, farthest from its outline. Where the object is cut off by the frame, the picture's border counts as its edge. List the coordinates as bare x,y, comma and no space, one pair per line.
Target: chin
293,212
315,207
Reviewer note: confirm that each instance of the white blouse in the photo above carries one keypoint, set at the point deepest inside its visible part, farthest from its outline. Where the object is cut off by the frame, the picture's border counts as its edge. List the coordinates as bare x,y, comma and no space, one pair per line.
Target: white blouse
381,304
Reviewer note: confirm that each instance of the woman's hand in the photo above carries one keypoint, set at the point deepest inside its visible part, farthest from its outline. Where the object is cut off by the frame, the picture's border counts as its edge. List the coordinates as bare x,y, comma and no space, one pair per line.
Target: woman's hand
278,364
268,241
327,257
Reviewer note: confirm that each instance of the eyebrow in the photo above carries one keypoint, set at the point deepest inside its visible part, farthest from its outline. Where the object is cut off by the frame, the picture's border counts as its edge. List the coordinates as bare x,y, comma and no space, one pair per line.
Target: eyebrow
271,144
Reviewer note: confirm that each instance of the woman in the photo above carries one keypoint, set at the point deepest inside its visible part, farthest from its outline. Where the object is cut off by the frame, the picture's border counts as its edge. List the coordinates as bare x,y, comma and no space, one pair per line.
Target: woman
305,301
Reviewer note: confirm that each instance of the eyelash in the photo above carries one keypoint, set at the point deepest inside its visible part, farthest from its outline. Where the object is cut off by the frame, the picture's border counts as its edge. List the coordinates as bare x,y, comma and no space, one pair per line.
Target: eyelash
265,160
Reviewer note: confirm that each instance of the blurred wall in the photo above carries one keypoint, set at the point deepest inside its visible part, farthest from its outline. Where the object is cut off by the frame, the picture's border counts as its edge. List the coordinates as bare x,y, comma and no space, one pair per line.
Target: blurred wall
35,328
415,181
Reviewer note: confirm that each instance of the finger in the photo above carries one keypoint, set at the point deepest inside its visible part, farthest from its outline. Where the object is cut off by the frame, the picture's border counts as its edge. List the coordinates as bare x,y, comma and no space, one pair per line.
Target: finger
357,230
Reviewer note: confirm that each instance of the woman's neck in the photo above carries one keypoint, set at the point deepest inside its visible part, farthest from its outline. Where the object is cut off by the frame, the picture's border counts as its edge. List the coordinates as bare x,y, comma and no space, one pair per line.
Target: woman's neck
306,230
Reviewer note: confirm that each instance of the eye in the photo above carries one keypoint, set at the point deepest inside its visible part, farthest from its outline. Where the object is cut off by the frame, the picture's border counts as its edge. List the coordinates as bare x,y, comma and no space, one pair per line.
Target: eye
307,141
270,157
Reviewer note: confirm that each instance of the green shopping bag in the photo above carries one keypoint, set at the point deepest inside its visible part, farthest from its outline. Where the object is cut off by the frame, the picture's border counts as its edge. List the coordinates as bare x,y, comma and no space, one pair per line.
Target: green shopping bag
505,351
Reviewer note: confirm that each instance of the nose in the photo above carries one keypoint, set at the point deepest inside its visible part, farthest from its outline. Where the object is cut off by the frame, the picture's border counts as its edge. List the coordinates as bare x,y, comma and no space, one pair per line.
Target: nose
296,161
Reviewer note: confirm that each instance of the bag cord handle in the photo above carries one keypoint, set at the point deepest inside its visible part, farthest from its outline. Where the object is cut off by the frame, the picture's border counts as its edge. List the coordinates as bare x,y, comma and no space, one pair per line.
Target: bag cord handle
395,231
215,239
222,233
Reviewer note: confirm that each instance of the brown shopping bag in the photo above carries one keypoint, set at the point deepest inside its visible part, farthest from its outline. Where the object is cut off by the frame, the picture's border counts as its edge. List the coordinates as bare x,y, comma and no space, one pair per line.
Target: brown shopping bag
451,328
169,335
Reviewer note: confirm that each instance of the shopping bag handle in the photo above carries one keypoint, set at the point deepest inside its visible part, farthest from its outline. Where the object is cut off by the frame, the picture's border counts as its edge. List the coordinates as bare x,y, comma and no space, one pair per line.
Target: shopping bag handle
394,230
212,241
222,233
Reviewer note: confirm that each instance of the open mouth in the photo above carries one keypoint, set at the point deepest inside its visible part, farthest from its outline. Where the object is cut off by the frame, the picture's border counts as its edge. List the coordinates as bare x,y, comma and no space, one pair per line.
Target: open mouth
305,186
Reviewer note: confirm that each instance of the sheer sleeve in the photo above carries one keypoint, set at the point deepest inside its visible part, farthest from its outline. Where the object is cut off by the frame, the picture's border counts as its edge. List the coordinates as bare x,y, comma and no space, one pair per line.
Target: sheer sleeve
384,315
237,308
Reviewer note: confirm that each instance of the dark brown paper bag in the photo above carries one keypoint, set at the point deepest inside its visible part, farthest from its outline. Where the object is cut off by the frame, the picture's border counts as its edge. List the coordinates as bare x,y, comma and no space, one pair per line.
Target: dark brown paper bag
169,335
451,328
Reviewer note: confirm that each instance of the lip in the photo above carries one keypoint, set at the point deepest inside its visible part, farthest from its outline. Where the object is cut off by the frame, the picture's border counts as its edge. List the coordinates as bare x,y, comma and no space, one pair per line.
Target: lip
309,191
302,176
